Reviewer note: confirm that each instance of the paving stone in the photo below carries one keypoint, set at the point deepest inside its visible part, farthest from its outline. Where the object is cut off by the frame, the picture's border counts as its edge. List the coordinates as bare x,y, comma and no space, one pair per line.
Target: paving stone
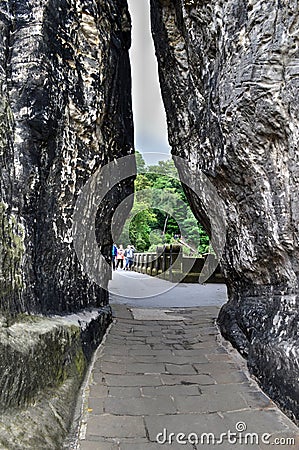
158,353
209,346
110,426
128,323
267,421
115,341
174,339
193,353
95,445
178,347
152,446
229,377
131,338
156,347
189,353
134,347
145,359
171,359
124,392
208,342
184,423
185,339
222,373
113,368
118,331
96,405
143,350
217,367
116,350
227,390
145,328
182,369
133,380
122,313
140,406
218,357
210,403
187,379
202,320
99,378
174,328
98,391
145,446
142,333
146,368
171,390
257,399
112,358
153,340
208,330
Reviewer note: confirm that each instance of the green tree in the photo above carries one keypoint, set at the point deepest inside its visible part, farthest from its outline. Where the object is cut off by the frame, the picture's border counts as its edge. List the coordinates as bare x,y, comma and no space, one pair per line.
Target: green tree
140,163
142,182
164,168
137,230
149,227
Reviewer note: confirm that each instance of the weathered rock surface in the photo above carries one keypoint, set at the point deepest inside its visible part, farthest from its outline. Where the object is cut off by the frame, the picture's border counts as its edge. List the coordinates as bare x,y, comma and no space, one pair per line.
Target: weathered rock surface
65,111
42,366
229,74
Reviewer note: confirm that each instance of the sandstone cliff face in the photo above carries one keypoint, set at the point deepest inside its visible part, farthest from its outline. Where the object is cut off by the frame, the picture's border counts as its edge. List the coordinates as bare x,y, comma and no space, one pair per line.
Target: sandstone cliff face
230,75
65,110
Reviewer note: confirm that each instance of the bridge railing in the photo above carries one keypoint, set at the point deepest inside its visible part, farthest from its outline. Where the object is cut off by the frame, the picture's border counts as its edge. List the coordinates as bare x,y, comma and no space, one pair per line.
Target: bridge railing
169,263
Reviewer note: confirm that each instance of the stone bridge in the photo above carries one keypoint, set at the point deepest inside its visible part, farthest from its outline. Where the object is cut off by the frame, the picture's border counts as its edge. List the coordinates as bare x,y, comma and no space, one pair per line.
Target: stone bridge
169,263
229,79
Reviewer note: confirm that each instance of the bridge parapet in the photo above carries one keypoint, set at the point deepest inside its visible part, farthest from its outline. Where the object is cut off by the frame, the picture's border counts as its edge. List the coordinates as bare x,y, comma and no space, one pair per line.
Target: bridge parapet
169,263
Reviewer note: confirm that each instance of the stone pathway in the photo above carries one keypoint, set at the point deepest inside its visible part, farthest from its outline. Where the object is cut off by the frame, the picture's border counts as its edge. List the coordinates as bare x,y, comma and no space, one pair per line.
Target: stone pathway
165,374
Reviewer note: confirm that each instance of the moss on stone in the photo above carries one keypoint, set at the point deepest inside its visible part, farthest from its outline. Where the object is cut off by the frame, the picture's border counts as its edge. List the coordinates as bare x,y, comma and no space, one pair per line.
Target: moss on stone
12,251
28,318
80,362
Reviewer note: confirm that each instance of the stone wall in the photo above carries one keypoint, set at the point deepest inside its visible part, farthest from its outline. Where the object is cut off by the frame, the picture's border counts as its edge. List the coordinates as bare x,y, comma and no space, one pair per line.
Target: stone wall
229,75
65,110
43,363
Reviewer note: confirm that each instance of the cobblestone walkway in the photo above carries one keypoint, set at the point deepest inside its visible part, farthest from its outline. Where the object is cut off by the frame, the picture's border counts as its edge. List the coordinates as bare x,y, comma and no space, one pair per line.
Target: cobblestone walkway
161,372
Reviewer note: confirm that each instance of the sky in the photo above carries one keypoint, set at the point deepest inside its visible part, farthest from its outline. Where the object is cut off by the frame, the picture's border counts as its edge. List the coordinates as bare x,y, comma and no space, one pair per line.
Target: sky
149,115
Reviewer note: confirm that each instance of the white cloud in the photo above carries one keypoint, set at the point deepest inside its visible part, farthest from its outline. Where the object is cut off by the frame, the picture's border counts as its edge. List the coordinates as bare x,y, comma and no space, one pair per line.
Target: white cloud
149,114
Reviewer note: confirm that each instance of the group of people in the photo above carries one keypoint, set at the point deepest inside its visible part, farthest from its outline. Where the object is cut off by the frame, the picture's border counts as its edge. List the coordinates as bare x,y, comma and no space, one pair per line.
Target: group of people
122,258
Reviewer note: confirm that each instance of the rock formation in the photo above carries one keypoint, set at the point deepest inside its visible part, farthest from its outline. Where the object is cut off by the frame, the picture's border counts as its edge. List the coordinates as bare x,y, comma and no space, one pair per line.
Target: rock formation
229,76
65,108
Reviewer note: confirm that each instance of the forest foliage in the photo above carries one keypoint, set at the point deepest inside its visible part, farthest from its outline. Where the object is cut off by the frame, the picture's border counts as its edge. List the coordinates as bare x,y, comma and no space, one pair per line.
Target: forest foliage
161,213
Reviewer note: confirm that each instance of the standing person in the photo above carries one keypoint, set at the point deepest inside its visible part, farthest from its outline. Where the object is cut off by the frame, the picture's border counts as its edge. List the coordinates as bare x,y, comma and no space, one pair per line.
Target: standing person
114,254
129,254
126,258
120,257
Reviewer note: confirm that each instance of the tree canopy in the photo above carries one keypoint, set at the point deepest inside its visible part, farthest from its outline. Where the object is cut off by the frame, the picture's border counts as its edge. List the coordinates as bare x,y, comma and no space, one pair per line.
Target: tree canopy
170,220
